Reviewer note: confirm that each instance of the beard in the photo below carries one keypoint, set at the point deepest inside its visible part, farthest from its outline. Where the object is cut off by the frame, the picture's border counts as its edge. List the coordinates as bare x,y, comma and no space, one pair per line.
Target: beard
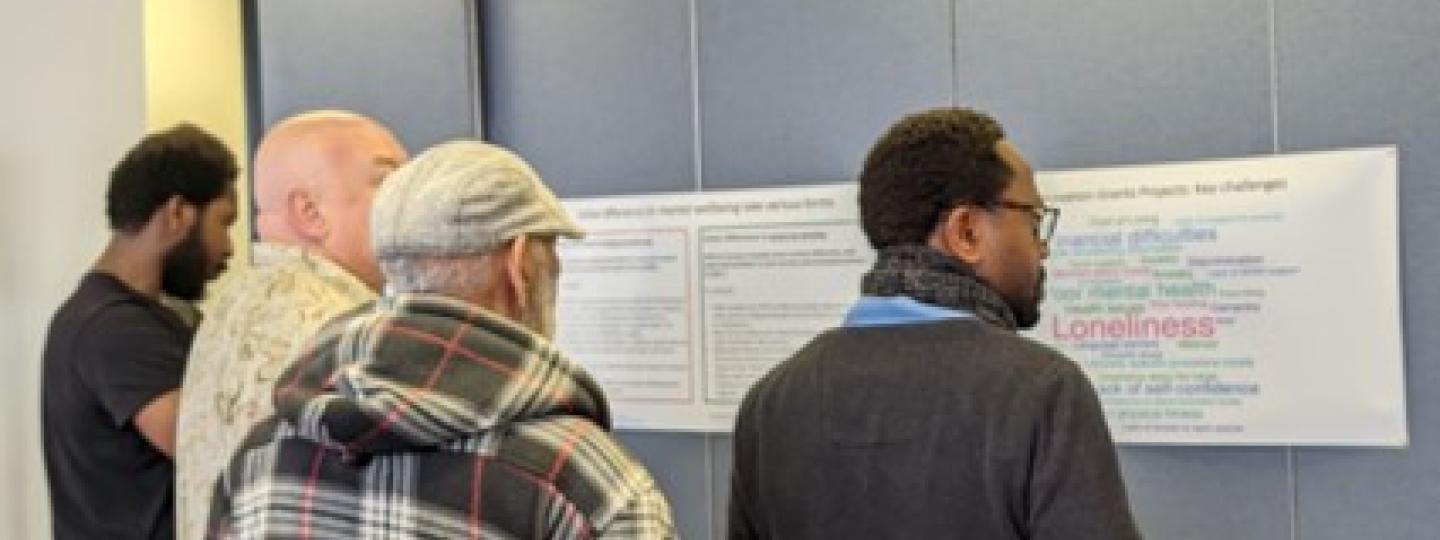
1027,307
540,318
186,269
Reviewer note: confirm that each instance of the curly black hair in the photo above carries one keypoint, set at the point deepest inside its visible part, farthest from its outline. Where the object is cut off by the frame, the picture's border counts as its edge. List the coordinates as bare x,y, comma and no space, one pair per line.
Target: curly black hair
925,164
184,160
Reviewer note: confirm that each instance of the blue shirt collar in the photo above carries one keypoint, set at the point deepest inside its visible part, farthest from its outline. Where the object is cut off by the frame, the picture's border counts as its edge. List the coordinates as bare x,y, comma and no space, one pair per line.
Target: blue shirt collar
897,310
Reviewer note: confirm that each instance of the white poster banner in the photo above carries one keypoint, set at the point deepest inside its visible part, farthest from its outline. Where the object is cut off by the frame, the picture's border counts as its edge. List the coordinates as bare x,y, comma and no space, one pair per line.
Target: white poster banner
1241,301
677,303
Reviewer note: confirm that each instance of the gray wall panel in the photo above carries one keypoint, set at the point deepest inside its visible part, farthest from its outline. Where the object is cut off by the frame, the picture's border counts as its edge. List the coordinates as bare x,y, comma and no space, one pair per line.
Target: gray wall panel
795,91
1356,72
1117,81
1196,493
596,94
721,461
408,64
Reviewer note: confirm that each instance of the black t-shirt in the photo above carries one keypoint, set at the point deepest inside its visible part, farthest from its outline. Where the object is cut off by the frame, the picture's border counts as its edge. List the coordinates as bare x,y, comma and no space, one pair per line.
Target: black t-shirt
110,352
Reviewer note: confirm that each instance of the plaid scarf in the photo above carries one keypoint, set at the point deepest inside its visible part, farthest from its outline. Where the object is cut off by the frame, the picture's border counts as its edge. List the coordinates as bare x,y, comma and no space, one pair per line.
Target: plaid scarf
422,416
927,275
418,371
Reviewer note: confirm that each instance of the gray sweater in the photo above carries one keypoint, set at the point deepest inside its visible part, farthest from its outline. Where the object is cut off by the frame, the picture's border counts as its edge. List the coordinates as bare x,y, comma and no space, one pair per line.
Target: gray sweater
951,429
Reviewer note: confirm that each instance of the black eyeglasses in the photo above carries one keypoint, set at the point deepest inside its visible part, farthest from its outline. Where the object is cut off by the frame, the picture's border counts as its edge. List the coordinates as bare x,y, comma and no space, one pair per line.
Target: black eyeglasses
1044,217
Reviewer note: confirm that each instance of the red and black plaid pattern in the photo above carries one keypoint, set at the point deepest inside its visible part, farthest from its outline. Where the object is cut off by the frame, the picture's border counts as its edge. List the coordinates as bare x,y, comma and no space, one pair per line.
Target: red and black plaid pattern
424,417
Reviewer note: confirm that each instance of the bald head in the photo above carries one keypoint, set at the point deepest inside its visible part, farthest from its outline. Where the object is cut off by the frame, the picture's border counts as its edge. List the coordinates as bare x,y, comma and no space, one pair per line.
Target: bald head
315,177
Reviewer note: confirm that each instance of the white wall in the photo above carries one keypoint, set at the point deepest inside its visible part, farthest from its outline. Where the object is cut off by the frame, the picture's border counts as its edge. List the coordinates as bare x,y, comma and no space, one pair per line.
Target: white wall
72,100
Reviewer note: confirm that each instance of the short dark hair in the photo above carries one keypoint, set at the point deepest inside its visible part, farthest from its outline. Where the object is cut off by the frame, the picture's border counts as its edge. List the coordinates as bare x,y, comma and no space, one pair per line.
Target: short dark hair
925,164
183,160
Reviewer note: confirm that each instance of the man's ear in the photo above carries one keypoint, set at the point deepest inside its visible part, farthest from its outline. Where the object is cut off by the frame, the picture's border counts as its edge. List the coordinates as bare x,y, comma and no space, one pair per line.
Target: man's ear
515,270
961,233
303,213
176,218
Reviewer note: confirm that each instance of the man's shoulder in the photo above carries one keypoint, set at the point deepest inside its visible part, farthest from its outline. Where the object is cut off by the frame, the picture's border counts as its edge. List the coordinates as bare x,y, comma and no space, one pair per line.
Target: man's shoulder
966,349
1009,357
112,319
969,340
295,283
98,295
572,443
98,321
271,308
1026,350
586,464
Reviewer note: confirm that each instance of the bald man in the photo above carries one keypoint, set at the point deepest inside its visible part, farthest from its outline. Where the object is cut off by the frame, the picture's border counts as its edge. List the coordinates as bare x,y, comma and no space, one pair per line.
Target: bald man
315,177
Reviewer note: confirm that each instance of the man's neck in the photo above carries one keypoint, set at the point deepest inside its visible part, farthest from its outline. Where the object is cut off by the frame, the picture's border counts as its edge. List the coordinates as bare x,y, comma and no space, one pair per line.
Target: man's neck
133,264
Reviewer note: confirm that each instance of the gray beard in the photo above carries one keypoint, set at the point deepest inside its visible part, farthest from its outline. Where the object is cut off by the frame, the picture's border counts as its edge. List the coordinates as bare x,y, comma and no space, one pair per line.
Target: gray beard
540,317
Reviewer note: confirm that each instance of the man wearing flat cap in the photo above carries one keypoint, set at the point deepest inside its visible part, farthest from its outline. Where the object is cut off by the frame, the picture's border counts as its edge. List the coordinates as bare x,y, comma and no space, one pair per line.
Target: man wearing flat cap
442,410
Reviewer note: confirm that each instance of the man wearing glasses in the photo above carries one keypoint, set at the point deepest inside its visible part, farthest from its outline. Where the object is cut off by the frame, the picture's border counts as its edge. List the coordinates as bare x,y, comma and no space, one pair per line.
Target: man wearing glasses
925,415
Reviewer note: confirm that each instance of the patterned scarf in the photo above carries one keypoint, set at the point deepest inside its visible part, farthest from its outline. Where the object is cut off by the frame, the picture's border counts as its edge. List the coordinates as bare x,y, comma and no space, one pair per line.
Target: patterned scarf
927,275
423,370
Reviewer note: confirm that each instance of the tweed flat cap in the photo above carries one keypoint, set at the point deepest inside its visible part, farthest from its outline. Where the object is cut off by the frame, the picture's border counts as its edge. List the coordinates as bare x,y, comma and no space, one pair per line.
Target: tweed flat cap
463,198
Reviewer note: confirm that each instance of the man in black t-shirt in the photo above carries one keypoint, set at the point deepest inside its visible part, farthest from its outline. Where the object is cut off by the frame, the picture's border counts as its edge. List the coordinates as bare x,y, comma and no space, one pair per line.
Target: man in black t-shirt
115,356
